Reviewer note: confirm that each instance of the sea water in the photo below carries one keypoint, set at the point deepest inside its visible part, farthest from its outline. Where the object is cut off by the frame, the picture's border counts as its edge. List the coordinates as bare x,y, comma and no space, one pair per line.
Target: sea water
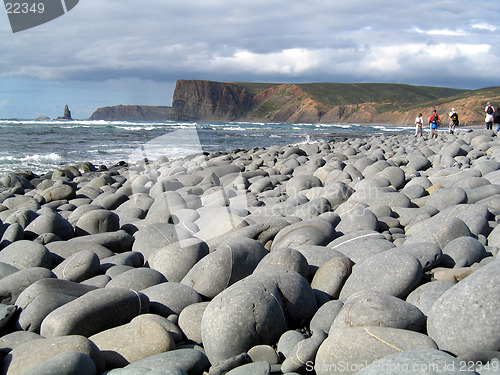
43,146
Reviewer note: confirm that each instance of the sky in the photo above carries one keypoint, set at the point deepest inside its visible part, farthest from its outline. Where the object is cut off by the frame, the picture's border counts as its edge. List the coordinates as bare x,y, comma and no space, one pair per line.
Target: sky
110,52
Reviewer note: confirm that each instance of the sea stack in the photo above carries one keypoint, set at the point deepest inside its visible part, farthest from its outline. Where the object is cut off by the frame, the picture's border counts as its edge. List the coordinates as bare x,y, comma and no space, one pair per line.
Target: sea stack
67,114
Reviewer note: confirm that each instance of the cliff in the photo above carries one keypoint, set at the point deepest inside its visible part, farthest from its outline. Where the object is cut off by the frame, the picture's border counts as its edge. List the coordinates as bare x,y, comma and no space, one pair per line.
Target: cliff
209,101
378,103
324,102
132,113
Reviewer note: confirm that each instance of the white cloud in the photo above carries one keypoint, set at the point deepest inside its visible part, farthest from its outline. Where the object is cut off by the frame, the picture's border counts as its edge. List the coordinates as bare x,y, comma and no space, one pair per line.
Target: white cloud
294,61
485,26
441,32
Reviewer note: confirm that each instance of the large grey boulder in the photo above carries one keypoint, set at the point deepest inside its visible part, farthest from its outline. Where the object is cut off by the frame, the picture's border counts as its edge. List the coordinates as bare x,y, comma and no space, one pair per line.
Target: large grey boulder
466,318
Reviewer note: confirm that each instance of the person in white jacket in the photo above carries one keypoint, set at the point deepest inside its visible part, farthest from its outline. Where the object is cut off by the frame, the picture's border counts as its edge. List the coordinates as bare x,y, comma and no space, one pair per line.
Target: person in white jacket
490,110
419,123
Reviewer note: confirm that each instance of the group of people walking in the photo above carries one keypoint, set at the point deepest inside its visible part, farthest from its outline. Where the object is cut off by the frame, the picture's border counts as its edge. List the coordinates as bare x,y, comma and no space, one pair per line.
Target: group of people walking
492,116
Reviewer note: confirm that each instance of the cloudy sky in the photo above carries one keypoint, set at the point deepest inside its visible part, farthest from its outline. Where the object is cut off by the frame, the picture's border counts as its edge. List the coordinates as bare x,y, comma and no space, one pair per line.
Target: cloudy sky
109,52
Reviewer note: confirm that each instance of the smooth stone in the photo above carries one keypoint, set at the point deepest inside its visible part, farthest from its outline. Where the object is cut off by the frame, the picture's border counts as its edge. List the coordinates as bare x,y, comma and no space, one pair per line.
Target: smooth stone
288,341
171,327
97,221
175,260
447,197
414,191
427,361
377,309
463,252
354,221
466,317
61,250
303,353
13,285
43,297
23,217
392,272
49,223
475,216
228,264
285,258
47,238
58,192
316,256
33,353
264,353
128,258
16,338
6,314
21,202
360,346
255,368
302,182
192,361
157,236
419,163
114,271
118,242
78,267
99,281
254,311
428,253
494,237
26,254
395,175
326,314
438,230
94,312
190,321
137,279
111,201
82,210
139,200
7,269
218,221
427,294
170,298
65,363
13,233
133,341
313,232
330,276
453,275
140,370
476,194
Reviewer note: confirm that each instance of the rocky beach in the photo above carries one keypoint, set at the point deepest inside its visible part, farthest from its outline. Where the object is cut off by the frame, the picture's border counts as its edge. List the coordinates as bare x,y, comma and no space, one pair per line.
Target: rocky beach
361,255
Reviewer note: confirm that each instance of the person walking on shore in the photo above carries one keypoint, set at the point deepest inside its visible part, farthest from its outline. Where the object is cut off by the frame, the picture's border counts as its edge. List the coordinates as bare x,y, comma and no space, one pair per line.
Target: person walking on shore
453,120
490,110
419,123
496,118
434,123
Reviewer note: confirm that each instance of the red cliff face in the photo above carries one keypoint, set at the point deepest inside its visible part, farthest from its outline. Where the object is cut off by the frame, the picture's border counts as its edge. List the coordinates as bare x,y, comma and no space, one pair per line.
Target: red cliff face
209,101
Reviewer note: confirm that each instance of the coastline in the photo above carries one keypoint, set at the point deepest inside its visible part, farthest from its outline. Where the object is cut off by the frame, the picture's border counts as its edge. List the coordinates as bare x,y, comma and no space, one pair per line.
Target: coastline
198,250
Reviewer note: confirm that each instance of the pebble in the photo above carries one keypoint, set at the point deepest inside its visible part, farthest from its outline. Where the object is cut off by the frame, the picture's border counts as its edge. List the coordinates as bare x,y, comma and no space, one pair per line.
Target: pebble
348,350
141,338
465,318
214,260
94,312
392,272
377,309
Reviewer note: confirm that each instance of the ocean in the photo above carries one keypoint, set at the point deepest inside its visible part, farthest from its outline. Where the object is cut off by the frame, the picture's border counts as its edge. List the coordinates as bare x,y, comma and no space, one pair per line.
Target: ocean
43,146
